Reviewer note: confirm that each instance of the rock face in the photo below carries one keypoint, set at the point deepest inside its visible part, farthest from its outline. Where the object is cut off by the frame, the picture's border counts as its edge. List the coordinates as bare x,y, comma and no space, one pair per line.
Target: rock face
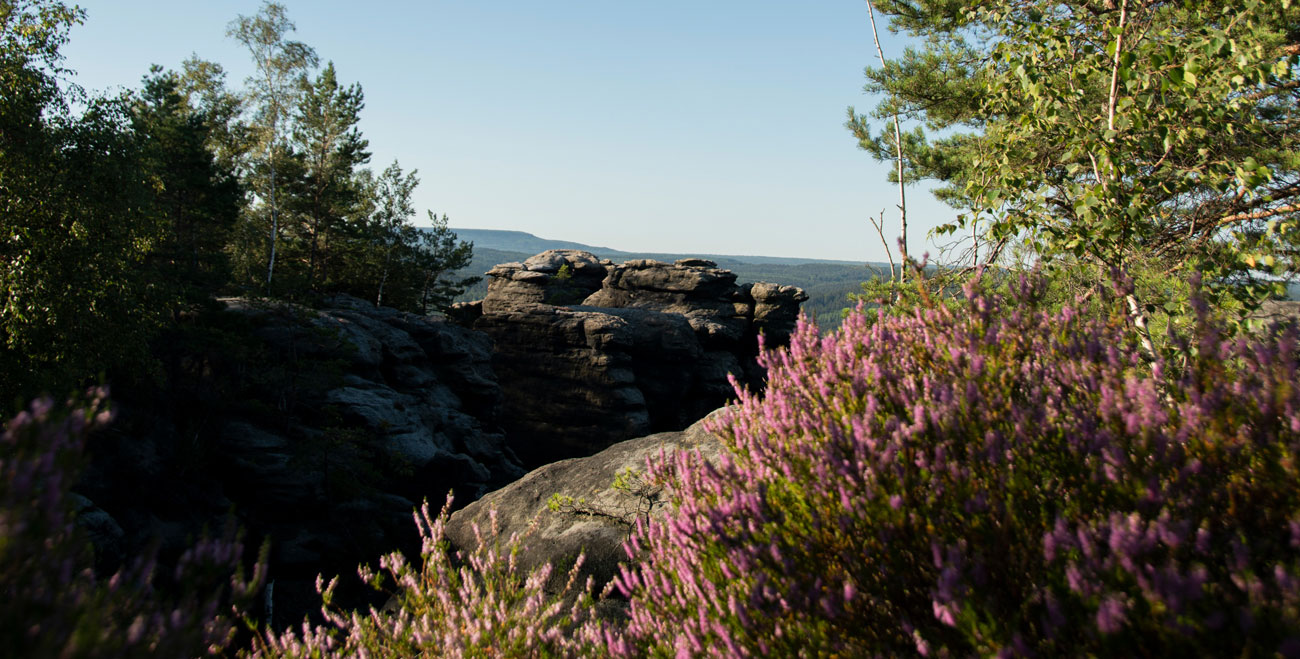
599,516
323,429
416,396
590,353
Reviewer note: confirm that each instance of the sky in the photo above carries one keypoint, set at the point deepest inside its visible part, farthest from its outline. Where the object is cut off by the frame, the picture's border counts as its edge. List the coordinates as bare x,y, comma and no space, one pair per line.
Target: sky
683,126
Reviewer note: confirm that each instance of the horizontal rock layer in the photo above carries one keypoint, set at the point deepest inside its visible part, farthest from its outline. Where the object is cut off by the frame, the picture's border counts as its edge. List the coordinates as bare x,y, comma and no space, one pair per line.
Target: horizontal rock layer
589,353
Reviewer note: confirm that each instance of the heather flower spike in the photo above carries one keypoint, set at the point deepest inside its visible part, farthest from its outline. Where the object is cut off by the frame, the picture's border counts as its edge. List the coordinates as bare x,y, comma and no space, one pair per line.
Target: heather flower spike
54,604
477,603
990,478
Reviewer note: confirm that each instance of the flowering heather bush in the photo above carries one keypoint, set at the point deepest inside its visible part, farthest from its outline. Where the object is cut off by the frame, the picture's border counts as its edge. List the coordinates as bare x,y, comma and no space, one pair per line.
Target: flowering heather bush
53,604
484,607
991,480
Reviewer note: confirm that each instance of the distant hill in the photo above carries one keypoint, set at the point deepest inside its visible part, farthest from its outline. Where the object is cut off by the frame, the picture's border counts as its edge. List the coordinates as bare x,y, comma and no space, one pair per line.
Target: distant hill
519,241
827,282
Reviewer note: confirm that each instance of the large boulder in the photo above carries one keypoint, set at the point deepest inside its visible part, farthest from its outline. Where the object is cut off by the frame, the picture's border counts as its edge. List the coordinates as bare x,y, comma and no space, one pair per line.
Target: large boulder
590,353
593,517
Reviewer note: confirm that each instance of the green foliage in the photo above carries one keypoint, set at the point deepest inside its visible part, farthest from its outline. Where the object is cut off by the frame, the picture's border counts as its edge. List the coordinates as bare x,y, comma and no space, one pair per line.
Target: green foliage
641,497
393,262
389,229
202,84
280,65
197,200
438,259
77,220
327,197
1117,134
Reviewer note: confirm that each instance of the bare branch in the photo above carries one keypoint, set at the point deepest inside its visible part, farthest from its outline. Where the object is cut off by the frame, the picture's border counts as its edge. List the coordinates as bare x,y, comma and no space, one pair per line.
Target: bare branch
898,147
880,231
1258,215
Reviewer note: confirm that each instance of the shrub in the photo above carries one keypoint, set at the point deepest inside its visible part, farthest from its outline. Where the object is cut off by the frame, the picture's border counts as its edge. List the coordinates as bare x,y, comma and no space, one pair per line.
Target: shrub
995,479
478,603
54,605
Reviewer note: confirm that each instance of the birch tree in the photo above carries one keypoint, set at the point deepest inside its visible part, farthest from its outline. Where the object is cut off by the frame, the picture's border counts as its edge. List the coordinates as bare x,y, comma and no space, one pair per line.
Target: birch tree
280,66
391,228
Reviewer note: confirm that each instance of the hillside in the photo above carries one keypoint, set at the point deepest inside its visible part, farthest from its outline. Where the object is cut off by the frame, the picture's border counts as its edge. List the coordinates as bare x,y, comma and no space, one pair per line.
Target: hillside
828,283
519,241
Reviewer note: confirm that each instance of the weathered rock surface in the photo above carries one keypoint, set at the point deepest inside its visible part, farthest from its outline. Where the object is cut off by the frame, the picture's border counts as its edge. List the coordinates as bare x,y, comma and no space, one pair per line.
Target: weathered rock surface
418,396
590,353
322,429
601,517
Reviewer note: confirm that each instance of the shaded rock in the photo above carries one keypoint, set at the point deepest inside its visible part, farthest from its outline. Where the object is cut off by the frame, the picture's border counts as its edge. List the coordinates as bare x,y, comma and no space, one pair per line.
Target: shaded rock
465,313
650,347
418,398
267,463
105,534
582,377
321,428
776,309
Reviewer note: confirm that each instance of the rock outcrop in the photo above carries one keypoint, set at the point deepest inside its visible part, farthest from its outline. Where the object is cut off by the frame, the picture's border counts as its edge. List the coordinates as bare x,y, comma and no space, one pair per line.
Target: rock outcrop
416,396
596,517
323,429
590,353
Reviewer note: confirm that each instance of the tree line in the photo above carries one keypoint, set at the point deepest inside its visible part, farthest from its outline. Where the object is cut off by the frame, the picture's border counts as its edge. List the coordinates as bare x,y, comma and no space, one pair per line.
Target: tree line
123,213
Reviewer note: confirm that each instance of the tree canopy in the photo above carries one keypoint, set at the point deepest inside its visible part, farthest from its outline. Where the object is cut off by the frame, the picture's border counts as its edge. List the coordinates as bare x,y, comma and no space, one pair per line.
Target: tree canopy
119,214
1104,132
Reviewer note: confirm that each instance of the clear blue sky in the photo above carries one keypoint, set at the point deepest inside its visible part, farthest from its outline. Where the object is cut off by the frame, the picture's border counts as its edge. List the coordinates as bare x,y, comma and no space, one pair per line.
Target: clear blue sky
702,126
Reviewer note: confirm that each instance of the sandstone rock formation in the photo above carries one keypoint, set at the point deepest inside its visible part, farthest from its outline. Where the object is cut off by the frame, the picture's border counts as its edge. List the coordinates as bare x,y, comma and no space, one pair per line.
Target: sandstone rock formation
600,516
323,429
590,353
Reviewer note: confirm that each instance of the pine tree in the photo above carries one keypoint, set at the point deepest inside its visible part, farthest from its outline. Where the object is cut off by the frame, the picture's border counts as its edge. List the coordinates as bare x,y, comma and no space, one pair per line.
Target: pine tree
439,254
197,200
331,148
1106,133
